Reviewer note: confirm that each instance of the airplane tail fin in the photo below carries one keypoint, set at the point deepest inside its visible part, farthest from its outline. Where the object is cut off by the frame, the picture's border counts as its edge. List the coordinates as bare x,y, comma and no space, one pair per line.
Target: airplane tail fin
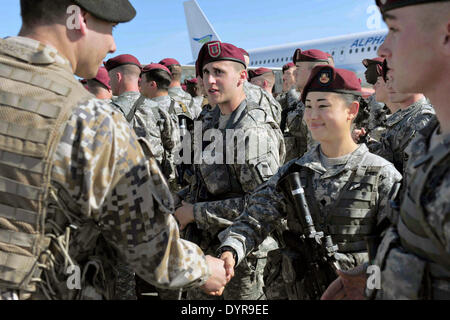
199,27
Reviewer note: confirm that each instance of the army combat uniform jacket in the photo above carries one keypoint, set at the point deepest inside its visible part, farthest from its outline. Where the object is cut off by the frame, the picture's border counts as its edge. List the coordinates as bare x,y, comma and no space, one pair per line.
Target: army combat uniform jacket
264,99
414,255
401,128
346,200
76,189
220,190
189,106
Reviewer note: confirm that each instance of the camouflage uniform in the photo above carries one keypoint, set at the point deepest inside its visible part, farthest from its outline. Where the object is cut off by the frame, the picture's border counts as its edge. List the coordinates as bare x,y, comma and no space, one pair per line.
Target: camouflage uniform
401,128
192,110
414,253
220,190
153,122
299,139
346,197
264,99
106,200
378,115
288,98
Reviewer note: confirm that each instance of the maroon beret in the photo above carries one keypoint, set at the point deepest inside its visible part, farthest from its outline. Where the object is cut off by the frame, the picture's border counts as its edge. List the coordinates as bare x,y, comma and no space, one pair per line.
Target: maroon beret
287,66
169,62
330,79
192,81
244,52
386,5
312,55
258,72
103,77
377,60
156,66
120,61
218,51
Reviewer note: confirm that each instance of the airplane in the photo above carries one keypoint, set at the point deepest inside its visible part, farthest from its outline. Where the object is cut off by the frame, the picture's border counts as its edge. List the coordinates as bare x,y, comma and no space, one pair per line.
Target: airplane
348,51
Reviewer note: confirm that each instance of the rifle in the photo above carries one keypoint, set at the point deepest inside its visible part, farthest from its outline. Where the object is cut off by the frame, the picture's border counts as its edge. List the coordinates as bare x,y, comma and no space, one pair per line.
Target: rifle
314,262
183,168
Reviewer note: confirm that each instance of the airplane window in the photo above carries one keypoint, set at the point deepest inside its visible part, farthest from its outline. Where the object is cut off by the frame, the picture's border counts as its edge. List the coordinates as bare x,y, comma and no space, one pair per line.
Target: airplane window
350,51
342,52
273,60
375,48
356,50
362,50
368,49
332,53
264,62
278,59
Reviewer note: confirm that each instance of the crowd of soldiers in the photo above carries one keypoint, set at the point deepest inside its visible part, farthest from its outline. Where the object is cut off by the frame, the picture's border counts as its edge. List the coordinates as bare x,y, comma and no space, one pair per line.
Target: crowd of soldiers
103,175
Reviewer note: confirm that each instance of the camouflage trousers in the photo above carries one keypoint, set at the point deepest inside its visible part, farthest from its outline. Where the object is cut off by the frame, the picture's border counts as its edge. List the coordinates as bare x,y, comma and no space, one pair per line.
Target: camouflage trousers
125,288
274,285
247,283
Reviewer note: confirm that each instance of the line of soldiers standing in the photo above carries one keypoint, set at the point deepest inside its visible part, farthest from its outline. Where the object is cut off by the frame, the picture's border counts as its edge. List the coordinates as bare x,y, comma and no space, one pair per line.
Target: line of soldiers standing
94,183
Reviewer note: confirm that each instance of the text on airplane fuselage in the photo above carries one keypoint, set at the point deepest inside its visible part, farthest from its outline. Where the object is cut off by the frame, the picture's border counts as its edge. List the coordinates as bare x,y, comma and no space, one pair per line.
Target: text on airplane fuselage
368,41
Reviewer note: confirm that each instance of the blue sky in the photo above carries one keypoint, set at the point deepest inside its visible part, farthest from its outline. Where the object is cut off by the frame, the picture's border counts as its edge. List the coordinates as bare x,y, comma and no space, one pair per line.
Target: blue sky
159,29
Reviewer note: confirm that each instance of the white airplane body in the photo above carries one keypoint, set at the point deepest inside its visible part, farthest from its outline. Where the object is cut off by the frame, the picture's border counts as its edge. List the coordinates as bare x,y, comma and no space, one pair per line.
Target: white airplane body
348,51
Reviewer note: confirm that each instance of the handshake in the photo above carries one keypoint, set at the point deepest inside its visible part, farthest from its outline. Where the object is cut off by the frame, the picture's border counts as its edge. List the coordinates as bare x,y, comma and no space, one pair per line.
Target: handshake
222,270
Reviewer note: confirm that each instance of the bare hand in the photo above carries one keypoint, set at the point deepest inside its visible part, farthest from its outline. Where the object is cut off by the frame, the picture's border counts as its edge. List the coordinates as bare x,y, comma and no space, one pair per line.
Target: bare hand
349,285
216,282
227,257
185,214
358,133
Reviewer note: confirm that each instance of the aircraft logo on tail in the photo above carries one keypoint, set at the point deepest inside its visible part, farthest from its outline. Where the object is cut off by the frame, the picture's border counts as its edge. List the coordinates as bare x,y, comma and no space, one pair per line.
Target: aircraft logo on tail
204,39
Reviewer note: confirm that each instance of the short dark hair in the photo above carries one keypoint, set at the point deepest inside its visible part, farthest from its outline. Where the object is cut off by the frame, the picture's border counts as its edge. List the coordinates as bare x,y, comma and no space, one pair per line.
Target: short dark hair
43,11
161,77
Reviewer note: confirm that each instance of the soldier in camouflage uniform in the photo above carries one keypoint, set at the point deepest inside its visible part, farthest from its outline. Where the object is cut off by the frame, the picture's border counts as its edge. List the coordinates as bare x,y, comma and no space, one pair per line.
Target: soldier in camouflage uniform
413,114
377,108
263,78
220,189
99,86
150,122
297,136
284,98
346,187
77,189
190,107
414,253
155,80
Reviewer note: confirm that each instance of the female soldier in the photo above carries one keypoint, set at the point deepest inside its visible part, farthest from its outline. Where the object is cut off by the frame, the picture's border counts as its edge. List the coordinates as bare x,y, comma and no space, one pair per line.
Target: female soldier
346,190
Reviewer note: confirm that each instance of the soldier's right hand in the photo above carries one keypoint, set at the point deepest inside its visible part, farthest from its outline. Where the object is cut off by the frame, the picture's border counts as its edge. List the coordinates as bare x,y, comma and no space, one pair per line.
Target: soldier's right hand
228,258
217,281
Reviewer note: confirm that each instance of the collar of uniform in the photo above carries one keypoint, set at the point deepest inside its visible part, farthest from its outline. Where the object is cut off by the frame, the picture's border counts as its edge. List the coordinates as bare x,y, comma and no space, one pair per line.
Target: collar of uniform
160,99
33,51
235,117
312,161
177,90
401,114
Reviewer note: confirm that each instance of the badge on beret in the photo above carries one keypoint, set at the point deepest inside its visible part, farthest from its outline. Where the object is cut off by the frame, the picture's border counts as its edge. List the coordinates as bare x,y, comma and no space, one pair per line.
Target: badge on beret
325,78
214,49
383,2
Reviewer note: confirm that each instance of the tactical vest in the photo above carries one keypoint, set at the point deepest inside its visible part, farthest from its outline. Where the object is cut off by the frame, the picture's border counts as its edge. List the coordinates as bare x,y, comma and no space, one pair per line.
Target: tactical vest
37,97
348,220
352,216
417,237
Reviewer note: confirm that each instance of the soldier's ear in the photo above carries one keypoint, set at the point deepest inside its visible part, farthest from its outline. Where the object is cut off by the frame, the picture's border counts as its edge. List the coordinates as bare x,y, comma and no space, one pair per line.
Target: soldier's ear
82,18
353,110
243,76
